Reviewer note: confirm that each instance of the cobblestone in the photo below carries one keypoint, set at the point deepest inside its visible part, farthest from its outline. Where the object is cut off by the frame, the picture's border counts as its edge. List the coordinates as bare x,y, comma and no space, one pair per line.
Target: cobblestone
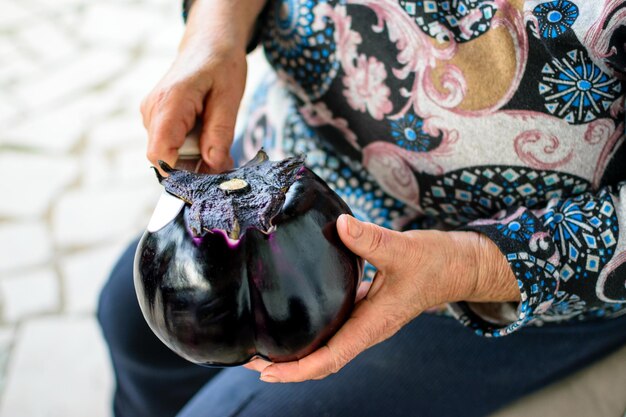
58,368
118,132
22,180
58,130
97,215
90,69
75,186
58,46
84,274
24,244
120,25
27,294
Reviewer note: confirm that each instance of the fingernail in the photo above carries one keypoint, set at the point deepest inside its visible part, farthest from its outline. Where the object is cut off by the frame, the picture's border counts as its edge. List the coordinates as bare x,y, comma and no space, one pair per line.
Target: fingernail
355,230
269,378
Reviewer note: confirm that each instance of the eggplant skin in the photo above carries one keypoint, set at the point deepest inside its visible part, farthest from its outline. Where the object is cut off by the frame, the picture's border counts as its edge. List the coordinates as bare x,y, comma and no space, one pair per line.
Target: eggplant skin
278,296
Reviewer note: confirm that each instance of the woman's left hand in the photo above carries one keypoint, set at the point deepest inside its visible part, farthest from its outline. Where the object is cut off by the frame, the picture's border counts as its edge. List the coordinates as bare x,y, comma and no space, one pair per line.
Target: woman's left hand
417,270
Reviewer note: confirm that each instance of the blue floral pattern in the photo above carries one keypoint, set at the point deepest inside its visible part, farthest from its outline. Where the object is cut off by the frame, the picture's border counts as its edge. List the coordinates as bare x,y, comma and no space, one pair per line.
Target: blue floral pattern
520,229
555,17
366,199
585,231
543,182
408,134
292,44
462,196
576,89
444,20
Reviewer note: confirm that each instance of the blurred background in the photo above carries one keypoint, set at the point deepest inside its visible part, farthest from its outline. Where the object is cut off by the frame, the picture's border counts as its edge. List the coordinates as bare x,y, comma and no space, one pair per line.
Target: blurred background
75,185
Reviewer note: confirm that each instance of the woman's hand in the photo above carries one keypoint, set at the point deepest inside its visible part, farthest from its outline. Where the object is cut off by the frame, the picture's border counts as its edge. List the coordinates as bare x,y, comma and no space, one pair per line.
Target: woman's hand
206,82
417,270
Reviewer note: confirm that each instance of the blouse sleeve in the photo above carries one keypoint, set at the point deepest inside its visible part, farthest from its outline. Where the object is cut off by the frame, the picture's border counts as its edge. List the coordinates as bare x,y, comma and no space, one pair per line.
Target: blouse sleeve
569,258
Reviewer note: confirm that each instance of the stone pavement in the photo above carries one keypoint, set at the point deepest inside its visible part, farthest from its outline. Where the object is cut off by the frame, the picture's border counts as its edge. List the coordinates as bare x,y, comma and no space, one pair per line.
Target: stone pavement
74,186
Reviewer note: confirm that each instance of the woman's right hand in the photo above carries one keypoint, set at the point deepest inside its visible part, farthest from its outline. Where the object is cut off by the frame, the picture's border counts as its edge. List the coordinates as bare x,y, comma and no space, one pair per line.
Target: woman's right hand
205,82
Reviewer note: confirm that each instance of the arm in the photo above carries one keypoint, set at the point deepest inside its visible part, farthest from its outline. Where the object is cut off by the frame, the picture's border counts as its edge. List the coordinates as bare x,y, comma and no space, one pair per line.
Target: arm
206,81
568,258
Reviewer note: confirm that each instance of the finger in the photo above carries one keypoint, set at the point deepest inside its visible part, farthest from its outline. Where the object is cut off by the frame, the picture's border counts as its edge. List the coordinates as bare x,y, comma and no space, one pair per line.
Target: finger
168,128
219,128
383,248
257,365
367,326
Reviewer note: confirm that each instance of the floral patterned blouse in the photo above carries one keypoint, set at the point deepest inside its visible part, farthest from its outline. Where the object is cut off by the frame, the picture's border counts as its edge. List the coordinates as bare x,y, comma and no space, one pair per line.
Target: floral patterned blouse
504,117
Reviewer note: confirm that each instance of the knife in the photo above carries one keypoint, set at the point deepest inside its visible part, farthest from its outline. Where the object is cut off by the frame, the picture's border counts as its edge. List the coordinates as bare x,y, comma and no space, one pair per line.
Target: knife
189,159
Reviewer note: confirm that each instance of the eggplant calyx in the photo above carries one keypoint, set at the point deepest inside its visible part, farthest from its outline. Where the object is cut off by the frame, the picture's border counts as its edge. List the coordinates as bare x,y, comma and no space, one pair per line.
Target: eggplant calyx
236,200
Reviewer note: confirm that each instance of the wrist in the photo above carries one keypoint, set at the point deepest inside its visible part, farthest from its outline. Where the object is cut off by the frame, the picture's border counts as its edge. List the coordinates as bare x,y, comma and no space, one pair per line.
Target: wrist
226,24
488,276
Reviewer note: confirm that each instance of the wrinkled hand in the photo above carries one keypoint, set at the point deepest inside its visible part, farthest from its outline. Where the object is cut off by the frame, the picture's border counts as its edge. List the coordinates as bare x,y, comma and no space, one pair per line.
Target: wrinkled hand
417,270
206,86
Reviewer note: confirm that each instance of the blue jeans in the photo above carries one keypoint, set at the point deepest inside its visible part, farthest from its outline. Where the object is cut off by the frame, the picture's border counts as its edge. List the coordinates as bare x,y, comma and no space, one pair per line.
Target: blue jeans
432,367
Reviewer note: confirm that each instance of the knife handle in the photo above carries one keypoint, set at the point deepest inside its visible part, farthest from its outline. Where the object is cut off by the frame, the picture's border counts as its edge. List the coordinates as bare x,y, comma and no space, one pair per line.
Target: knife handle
189,157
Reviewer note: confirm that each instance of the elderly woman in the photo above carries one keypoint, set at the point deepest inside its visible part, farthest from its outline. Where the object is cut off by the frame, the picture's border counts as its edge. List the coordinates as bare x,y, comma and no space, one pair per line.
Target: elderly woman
480,145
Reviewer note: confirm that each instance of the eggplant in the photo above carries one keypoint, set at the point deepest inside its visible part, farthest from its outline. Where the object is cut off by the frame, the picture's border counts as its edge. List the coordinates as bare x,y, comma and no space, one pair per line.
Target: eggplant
248,264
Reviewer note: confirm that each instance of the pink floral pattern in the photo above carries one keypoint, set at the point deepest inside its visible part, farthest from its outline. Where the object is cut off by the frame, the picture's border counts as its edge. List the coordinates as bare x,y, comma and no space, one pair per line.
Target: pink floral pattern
397,98
366,89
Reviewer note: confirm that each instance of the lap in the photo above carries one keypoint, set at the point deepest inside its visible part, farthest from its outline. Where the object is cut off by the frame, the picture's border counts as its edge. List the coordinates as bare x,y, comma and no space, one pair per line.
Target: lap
432,367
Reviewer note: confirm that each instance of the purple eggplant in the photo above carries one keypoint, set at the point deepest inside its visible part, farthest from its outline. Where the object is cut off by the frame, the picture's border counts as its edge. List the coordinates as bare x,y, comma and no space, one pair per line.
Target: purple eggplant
250,266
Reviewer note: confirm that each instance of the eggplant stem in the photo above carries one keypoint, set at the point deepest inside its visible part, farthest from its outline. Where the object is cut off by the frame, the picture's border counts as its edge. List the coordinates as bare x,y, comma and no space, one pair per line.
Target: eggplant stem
234,185
236,231
165,167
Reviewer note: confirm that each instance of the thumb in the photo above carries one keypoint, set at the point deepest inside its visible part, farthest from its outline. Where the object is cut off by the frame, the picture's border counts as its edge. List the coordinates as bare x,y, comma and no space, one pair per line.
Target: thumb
382,247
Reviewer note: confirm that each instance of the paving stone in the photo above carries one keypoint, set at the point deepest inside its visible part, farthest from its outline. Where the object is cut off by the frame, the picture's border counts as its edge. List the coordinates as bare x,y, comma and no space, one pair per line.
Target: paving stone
166,39
128,166
8,112
94,106
8,48
40,180
58,46
7,337
70,17
84,274
88,70
96,168
57,130
13,13
91,215
7,334
118,132
26,294
131,165
15,69
50,9
23,244
137,81
60,129
122,25
59,368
